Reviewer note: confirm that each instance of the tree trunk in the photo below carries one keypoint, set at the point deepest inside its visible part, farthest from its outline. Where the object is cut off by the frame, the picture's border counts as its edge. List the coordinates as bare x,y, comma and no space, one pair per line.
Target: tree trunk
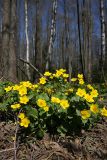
12,43
9,40
27,38
103,37
87,38
52,35
38,40
5,38
79,38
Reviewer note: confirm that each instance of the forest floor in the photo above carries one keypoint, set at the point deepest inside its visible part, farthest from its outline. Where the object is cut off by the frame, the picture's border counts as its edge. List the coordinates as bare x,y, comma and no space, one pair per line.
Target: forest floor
90,145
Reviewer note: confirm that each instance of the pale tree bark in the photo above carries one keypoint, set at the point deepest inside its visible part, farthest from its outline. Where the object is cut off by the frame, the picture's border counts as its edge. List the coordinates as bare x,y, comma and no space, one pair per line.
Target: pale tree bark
52,35
61,62
27,38
103,37
12,43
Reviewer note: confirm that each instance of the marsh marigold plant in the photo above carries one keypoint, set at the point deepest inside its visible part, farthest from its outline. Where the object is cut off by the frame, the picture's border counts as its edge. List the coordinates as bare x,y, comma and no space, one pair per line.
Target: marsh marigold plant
53,102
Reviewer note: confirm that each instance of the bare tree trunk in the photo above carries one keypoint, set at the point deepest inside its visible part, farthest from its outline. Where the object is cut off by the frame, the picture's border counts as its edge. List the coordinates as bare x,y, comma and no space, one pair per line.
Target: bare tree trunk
61,62
79,36
0,49
27,37
5,38
52,35
38,40
12,43
103,38
89,44
87,38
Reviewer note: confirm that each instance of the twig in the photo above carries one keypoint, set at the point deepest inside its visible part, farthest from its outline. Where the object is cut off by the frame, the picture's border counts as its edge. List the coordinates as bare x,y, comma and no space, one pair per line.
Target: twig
6,150
15,141
32,66
22,71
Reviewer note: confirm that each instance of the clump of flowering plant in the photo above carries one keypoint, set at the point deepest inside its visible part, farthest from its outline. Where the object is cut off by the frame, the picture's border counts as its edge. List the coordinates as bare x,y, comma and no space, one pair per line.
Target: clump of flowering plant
54,104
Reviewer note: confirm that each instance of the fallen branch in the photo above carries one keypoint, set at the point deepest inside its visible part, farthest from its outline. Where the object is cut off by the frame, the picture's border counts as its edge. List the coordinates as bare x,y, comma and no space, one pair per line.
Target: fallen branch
31,65
6,150
22,71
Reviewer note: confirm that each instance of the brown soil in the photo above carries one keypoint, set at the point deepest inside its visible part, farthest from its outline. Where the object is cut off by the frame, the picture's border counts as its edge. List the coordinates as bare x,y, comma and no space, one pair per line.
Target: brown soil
91,145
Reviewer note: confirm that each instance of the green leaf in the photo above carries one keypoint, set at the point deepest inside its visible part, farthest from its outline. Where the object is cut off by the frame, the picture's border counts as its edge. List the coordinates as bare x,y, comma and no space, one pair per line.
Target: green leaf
75,98
3,106
78,112
31,112
40,134
43,96
61,130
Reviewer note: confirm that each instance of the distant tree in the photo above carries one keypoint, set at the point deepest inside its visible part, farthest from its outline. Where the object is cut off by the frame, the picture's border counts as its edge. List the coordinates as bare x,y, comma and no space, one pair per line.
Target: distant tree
13,42
103,37
27,38
38,39
87,38
9,40
52,35
79,39
5,38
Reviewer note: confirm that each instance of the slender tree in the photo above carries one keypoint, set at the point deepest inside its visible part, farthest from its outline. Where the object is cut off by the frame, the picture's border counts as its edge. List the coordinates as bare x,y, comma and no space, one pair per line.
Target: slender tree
79,38
103,37
27,38
38,39
13,42
52,35
5,38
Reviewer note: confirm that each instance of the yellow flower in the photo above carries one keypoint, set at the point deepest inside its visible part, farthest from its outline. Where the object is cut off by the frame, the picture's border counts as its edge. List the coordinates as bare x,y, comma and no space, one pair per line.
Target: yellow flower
21,115
42,80
41,103
25,122
22,90
94,108
88,98
64,103
81,92
70,90
9,88
24,99
46,108
104,112
35,86
90,87
62,70
58,73
81,81
16,87
47,74
65,75
85,114
16,106
94,93
26,84
55,100
51,77
73,79
80,76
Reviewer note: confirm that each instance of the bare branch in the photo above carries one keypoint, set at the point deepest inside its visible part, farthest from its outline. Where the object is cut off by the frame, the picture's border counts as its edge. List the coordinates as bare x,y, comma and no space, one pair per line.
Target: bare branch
32,66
